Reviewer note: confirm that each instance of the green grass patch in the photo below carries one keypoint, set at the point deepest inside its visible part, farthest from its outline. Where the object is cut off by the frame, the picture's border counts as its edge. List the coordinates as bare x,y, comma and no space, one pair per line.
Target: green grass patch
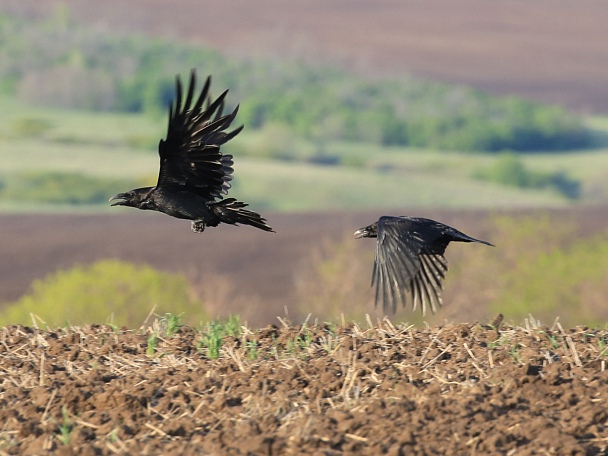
211,338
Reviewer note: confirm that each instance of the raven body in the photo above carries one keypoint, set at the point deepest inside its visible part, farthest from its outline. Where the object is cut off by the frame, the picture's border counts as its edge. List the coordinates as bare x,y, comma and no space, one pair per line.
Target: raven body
409,259
194,174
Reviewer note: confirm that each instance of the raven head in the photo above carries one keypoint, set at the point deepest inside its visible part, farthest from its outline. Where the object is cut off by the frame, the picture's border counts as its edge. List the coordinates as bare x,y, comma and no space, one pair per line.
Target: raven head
138,197
370,231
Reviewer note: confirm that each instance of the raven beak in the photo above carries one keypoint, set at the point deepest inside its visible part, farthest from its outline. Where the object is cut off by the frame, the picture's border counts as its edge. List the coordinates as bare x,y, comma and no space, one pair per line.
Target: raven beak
361,233
122,197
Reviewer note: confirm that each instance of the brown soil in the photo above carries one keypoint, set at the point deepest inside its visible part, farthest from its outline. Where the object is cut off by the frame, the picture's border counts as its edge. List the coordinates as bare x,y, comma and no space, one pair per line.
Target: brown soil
460,389
550,50
241,270
249,266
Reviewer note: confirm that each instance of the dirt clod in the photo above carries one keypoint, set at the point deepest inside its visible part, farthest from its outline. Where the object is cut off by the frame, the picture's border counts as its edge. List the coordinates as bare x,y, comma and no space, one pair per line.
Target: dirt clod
379,390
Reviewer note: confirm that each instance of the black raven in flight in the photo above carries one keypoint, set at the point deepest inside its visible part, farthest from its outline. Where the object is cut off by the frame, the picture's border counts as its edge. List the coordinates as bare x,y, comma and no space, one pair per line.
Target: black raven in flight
409,259
193,171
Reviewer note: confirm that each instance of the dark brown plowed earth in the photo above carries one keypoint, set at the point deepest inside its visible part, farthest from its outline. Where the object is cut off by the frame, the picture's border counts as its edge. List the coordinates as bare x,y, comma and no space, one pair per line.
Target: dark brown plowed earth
460,389
259,265
550,50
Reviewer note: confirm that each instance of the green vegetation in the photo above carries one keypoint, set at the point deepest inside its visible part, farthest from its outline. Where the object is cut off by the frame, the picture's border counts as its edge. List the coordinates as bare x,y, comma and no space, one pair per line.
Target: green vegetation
66,427
60,187
109,290
164,327
152,344
300,345
211,339
409,177
66,159
252,350
98,147
72,66
558,279
171,323
541,266
74,159
409,181
509,169
220,333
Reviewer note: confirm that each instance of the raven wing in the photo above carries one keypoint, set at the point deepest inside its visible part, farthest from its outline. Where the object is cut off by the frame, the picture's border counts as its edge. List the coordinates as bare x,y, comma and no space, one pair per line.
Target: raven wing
409,261
190,156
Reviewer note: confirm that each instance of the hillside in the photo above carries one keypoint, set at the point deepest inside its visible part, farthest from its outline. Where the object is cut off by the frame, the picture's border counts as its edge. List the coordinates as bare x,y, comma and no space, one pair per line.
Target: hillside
547,50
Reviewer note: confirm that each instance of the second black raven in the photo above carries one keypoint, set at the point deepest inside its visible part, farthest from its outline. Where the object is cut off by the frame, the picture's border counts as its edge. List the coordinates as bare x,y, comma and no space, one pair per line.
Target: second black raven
409,259
193,171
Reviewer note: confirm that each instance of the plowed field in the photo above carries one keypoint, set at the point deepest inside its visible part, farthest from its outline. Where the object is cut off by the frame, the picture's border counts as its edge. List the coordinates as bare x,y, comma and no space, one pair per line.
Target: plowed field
325,390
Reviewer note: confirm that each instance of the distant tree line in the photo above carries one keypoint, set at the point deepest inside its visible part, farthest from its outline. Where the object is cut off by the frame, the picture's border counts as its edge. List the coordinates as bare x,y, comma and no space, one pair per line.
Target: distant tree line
59,63
509,169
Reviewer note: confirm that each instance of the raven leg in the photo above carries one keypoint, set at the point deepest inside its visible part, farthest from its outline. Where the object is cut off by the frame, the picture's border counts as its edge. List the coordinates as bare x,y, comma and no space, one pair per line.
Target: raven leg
198,226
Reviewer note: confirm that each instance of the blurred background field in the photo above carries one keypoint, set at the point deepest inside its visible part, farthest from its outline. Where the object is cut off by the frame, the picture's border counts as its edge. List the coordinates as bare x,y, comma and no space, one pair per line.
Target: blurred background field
518,157
45,149
551,264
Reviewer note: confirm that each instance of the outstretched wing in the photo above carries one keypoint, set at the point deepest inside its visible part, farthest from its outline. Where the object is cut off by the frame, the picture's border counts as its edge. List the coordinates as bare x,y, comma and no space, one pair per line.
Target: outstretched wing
409,261
190,155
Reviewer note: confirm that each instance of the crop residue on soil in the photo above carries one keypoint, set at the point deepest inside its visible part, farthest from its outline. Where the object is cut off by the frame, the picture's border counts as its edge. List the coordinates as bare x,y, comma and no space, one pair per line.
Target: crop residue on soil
378,389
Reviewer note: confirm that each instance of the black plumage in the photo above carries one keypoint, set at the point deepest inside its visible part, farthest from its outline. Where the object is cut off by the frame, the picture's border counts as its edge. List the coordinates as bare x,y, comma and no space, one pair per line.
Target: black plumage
409,260
194,174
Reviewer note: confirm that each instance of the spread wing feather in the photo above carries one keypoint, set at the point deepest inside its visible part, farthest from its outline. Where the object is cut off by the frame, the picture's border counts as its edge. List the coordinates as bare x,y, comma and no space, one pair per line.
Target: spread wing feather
190,155
408,263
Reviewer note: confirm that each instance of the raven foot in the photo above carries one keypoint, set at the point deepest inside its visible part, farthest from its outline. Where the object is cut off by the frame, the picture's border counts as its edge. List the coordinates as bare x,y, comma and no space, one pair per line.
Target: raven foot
198,226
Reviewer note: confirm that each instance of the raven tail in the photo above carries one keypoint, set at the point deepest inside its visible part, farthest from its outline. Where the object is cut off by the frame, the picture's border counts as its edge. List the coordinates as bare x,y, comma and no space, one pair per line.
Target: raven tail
459,236
232,211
